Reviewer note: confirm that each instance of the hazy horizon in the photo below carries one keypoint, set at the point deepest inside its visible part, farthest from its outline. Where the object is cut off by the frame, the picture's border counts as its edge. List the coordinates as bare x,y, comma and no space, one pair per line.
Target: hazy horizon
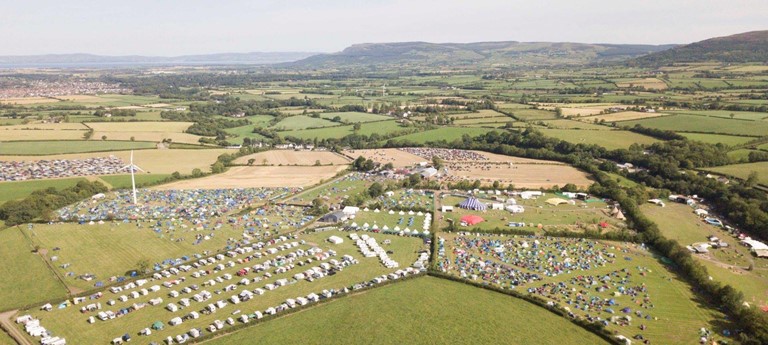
197,27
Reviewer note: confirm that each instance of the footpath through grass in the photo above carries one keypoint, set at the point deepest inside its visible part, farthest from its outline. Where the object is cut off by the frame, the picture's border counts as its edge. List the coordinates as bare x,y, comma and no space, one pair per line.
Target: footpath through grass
421,311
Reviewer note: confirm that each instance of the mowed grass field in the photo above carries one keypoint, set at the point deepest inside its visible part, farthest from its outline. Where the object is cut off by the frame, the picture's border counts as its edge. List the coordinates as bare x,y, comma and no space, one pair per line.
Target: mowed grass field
261,176
69,146
124,181
20,189
291,157
302,122
705,124
730,140
446,133
678,222
26,278
354,116
406,313
144,131
742,171
152,161
70,322
112,249
609,139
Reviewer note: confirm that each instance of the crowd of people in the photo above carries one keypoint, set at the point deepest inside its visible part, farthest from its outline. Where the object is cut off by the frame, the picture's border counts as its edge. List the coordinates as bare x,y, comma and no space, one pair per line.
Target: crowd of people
445,154
43,169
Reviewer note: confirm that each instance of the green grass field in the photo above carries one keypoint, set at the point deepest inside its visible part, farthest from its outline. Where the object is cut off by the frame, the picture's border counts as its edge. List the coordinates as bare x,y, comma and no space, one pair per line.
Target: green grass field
609,139
533,114
743,170
21,189
574,124
446,133
26,278
6,339
703,124
380,127
677,313
740,155
302,122
743,115
677,222
352,117
69,146
124,181
406,313
729,140
70,322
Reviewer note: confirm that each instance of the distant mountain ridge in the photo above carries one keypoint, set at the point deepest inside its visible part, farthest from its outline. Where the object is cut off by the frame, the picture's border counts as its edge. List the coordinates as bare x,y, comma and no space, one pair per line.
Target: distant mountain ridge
510,53
91,59
744,47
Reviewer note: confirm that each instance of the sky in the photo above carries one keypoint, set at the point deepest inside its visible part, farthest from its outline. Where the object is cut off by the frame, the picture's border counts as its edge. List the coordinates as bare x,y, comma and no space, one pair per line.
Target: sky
182,27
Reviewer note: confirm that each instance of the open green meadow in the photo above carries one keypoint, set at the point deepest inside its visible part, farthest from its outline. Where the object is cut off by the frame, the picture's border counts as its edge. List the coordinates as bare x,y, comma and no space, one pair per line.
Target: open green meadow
302,122
21,189
379,127
742,171
124,181
69,146
532,114
26,278
353,116
738,115
730,140
727,265
705,124
445,133
611,140
574,124
466,315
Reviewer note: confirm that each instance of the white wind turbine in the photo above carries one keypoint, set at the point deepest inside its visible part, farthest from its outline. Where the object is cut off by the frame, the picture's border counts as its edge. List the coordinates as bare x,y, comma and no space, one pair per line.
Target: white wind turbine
133,168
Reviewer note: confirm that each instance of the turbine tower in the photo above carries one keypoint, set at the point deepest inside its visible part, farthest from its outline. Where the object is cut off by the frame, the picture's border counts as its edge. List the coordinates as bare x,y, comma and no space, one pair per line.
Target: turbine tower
133,168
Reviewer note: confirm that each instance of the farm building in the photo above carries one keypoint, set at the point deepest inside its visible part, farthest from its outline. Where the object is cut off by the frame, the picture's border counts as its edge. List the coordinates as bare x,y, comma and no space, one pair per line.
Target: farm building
428,172
473,204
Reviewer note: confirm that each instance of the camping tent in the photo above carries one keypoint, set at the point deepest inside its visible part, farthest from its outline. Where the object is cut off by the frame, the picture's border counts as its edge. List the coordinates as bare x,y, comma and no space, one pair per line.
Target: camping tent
473,204
472,219
556,201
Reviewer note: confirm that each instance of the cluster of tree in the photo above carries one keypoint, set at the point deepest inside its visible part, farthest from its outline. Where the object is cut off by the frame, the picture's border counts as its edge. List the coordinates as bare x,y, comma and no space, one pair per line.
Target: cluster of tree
205,125
41,204
363,164
654,132
758,156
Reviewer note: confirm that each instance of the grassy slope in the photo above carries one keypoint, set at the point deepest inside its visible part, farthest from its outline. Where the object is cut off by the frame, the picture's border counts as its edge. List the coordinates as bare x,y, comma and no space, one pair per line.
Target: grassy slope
608,139
743,170
717,138
37,282
446,133
695,123
679,223
21,189
69,146
465,315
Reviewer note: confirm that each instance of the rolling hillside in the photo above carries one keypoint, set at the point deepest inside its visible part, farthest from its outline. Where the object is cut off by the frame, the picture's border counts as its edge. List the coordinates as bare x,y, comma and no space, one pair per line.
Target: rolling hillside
745,47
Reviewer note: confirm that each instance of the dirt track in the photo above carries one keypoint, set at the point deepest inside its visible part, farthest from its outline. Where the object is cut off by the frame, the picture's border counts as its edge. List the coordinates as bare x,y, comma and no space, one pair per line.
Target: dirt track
13,331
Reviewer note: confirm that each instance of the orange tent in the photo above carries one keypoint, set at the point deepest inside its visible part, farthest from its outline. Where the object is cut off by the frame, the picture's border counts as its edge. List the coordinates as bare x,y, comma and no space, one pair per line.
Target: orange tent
472,219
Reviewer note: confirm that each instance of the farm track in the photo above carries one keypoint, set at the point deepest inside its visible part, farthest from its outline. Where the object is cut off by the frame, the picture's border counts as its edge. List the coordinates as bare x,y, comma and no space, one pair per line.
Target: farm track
11,329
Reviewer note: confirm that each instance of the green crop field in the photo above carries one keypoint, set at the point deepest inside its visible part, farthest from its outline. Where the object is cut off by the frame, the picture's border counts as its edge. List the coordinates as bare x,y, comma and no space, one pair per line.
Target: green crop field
446,133
466,315
533,114
729,140
69,146
609,139
742,171
352,117
704,124
20,189
740,155
124,181
37,283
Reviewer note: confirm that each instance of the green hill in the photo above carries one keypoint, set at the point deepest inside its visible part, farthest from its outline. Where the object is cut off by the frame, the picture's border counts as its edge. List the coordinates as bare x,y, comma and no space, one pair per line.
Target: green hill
510,54
745,47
